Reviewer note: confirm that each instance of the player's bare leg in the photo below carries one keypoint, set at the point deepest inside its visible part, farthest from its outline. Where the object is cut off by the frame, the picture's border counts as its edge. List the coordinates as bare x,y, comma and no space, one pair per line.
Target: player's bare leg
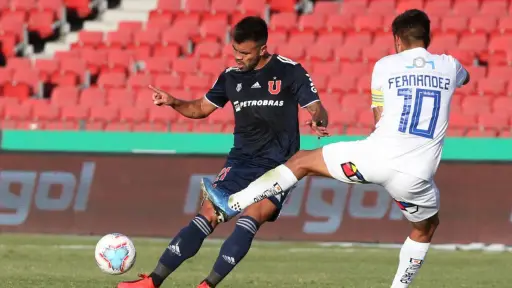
182,247
237,245
414,251
275,181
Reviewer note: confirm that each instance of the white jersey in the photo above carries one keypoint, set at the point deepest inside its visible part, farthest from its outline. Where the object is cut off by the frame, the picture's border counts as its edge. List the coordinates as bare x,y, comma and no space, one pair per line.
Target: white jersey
415,89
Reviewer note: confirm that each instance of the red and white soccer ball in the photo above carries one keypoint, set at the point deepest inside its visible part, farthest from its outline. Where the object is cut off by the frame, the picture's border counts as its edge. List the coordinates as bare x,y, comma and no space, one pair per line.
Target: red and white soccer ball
115,254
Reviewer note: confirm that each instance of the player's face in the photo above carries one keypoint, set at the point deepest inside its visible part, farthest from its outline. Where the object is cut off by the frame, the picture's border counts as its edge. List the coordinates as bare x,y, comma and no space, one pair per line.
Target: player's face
248,54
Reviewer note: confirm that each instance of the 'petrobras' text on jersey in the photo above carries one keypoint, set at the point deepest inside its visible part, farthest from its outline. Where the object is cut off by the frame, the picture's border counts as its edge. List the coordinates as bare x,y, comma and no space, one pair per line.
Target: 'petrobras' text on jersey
420,80
265,109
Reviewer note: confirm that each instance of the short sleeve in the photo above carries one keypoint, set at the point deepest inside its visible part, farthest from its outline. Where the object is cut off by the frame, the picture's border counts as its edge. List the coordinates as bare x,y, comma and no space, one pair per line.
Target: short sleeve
217,94
461,74
303,88
377,86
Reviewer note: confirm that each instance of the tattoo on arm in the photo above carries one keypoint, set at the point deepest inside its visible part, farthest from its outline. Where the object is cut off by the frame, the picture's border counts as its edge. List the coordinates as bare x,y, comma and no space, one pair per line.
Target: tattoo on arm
318,113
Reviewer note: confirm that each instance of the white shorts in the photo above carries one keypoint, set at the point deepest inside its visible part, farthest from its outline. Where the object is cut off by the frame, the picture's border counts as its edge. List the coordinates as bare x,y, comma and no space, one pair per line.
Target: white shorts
358,162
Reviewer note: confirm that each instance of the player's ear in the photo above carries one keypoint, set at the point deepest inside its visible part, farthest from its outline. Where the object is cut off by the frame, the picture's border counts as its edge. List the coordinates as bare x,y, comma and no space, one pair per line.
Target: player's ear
263,49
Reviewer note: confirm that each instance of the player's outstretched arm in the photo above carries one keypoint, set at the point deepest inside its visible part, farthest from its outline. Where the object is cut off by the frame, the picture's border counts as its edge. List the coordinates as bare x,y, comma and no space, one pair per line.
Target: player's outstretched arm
195,109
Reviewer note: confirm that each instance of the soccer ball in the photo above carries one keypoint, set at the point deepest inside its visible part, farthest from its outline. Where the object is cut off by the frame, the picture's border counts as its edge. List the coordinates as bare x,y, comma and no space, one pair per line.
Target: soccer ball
115,254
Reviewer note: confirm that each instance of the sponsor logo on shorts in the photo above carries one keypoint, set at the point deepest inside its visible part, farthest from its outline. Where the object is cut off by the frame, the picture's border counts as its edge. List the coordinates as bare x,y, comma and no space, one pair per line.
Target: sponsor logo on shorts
406,206
414,265
352,173
276,189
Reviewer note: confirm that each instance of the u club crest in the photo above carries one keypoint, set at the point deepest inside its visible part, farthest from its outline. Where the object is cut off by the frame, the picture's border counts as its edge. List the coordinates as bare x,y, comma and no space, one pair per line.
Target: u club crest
274,86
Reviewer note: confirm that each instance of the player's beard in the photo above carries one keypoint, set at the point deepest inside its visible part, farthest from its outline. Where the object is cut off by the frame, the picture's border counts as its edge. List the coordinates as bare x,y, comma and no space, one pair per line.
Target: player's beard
252,65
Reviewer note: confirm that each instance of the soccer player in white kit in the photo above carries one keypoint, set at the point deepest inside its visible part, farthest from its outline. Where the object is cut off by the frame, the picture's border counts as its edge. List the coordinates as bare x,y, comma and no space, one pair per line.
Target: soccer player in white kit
411,94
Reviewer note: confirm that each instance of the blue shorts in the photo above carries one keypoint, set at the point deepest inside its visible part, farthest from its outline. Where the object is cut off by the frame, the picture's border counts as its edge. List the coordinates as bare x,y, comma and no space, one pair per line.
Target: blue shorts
236,176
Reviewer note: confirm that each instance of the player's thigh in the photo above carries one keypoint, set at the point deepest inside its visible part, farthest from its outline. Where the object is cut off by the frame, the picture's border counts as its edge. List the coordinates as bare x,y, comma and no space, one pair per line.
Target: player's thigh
353,162
417,198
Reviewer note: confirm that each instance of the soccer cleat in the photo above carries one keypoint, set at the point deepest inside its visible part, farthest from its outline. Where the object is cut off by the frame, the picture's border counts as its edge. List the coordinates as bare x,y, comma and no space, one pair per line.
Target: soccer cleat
144,282
219,199
203,285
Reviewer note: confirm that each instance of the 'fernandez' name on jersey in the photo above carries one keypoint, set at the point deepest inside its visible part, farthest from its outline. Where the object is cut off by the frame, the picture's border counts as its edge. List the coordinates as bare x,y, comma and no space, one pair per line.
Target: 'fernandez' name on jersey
265,107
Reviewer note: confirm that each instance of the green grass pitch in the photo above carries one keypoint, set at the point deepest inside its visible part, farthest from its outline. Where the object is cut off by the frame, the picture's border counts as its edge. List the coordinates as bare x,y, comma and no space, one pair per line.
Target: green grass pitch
68,261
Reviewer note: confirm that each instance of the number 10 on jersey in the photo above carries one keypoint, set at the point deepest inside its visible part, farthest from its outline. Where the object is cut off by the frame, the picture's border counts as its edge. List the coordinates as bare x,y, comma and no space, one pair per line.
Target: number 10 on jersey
421,95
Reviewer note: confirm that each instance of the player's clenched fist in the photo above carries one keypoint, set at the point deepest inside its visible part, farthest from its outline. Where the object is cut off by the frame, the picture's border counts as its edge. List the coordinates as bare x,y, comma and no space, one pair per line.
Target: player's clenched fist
161,97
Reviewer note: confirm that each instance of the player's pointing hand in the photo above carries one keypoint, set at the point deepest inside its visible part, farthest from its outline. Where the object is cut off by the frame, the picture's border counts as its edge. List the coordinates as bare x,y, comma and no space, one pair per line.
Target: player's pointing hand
161,97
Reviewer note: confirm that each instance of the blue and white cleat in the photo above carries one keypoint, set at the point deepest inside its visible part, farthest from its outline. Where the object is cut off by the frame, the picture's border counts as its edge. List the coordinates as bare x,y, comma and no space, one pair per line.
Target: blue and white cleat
219,199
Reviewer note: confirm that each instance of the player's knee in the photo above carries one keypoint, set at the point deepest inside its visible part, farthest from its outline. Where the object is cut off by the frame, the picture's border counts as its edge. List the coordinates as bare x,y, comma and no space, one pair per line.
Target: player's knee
423,231
208,212
261,211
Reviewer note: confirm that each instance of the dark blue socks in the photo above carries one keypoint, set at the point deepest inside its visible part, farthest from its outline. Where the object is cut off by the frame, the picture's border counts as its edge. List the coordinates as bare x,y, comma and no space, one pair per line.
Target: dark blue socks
234,249
183,246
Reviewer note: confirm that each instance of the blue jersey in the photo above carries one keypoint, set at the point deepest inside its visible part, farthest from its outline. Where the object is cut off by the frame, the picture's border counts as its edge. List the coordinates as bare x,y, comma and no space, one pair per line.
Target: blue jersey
265,104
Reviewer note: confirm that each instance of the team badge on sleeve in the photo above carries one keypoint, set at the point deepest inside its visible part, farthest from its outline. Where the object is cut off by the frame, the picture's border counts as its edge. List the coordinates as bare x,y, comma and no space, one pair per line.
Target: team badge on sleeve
352,173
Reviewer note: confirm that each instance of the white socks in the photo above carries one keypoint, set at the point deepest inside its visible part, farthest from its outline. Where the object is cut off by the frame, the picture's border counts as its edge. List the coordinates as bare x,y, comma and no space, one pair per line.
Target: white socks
269,184
412,256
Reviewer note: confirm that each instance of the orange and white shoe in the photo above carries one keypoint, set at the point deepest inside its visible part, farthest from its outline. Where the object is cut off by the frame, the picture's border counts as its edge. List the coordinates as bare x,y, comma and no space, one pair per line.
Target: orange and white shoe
203,285
144,282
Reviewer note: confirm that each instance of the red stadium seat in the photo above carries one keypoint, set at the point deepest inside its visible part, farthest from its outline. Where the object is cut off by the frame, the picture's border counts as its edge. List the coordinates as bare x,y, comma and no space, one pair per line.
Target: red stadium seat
320,52
19,64
71,72
305,39
168,82
145,38
491,86
505,24
118,39
369,23
42,22
311,22
24,84
46,68
185,65
358,40
46,113
138,82
483,24
476,72
18,112
64,96
481,133
342,83
94,59
326,68
454,24
505,134
157,65
120,97
285,21
502,105
150,127
252,7
90,38
112,80
104,114
197,6
61,125
74,113
355,69
118,126
223,6
118,60
404,5
134,114
162,115
208,50
474,42
294,52
354,7
199,83
466,8
215,29
474,105
212,66
330,39
128,28
358,131
171,51
327,7
92,96
461,121
339,23
465,57
347,53
494,8
444,42
499,72
356,102
54,6
494,121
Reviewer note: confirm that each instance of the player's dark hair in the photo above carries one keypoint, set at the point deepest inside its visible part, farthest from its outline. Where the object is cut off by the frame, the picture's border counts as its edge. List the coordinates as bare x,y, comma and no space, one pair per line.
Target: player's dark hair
251,28
412,26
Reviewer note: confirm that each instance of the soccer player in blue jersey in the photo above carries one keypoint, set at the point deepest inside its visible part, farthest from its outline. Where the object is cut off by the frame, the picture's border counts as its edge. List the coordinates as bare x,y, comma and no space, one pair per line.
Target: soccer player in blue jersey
265,91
